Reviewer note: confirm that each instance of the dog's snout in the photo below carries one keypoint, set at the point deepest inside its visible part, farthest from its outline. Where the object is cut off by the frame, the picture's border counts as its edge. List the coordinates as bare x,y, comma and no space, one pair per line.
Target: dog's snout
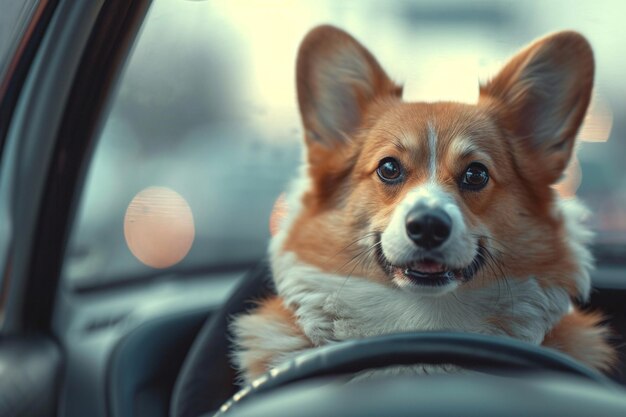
428,228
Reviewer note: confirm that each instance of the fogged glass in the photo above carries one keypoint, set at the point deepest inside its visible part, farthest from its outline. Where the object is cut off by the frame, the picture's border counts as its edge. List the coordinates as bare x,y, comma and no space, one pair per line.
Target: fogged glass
204,133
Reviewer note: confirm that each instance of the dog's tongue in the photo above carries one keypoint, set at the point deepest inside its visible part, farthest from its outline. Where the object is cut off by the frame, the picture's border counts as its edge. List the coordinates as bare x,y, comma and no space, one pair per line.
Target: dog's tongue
428,267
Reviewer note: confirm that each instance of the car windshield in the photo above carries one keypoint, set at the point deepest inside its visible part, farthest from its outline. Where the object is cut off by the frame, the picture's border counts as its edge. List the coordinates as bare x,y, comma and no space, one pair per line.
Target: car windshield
203,131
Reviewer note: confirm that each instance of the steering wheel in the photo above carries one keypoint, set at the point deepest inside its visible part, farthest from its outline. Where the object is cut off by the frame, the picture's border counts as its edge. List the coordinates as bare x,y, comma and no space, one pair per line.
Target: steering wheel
207,379
469,351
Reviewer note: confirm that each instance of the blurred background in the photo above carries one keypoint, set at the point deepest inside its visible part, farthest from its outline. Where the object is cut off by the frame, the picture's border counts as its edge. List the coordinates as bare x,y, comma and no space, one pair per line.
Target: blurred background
203,131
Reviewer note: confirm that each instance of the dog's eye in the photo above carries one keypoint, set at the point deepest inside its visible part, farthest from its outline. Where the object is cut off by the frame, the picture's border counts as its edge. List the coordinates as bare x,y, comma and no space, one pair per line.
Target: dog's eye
389,170
475,177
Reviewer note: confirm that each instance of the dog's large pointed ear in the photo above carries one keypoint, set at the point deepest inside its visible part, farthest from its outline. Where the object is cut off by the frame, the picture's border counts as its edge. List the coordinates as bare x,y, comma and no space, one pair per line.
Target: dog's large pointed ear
337,78
541,97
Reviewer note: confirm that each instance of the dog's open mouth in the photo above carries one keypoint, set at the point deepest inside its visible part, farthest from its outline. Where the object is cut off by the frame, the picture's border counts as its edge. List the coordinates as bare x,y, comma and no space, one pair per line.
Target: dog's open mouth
431,272
428,272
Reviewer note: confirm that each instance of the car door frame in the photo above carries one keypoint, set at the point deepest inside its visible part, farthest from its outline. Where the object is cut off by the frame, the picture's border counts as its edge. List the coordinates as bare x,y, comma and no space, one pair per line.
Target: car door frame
58,93
50,141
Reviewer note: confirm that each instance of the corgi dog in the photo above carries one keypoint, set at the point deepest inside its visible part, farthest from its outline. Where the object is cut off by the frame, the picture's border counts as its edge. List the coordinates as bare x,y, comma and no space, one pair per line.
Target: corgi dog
431,216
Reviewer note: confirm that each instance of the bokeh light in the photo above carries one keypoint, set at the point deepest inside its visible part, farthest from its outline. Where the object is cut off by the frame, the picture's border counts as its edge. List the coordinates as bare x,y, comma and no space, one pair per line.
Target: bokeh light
279,212
572,177
598,121
159,227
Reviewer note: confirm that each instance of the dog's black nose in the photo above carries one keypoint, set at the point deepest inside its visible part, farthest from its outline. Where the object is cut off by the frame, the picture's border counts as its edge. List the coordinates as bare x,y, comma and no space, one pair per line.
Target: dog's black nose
428,228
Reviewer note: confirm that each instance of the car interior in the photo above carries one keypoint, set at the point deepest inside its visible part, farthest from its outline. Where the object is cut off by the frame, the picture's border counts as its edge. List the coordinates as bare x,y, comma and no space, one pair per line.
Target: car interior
144,145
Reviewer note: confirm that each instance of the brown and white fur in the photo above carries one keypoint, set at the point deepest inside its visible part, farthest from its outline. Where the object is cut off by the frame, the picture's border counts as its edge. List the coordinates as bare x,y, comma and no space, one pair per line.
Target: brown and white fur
516,255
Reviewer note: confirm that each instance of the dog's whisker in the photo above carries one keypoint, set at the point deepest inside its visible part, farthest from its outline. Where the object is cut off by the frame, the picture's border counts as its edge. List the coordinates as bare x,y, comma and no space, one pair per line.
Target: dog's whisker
354,242
362,255
493,239
501,277
356,257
